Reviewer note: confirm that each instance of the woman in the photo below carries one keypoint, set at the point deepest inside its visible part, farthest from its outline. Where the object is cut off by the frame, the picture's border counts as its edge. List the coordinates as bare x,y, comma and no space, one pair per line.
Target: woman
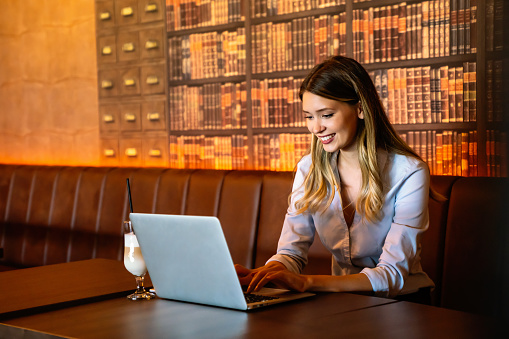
361,188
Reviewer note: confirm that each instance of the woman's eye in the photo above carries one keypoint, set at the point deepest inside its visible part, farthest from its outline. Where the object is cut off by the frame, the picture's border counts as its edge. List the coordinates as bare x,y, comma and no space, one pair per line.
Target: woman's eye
327,115
309,117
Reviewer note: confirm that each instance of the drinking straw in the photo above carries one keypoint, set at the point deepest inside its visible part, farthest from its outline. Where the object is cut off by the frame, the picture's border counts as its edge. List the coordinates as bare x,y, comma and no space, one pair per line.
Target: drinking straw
129,194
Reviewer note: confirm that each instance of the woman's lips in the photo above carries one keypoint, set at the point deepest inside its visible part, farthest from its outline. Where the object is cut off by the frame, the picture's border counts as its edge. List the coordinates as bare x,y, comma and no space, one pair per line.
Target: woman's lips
327,139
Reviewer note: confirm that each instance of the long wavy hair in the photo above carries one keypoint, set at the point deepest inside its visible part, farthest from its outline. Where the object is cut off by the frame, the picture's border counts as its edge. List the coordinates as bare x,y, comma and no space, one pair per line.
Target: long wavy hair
344,79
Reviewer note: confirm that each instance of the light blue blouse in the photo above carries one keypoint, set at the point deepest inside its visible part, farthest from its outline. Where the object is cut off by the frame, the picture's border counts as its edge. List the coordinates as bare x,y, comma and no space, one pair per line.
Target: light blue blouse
387,251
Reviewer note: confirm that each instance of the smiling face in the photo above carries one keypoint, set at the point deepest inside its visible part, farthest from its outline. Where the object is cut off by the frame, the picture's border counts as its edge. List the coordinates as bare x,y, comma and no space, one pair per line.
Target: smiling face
333,122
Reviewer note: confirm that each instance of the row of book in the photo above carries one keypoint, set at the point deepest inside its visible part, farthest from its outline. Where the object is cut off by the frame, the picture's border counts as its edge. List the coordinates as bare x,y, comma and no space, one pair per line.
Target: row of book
275,152
496,154
298,44
208,107
207,55
276,103
265,8
279,152
413,31
446,152
202,152
495,95
187,14
495,24
414,95
421,95
455,152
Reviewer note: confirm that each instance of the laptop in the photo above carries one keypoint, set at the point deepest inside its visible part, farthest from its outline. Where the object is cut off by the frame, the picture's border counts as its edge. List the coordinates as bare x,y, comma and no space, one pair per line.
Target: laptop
188,260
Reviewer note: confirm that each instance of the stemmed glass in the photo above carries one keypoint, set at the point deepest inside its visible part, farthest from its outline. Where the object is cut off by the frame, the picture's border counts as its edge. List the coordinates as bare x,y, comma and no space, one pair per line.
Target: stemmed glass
134,263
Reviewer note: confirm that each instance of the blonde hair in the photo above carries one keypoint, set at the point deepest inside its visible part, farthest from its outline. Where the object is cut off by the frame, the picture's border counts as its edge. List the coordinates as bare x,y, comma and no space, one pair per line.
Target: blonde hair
344,79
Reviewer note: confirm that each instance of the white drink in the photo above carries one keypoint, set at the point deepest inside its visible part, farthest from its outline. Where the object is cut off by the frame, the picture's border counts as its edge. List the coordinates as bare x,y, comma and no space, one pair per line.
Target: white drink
133,260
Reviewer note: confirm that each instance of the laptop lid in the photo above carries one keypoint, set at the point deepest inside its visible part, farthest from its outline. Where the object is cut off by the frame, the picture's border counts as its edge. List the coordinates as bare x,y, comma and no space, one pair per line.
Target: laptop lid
188,259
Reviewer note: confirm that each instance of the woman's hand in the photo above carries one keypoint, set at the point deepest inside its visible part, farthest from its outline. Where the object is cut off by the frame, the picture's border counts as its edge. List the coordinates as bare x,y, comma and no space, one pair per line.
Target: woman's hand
274,272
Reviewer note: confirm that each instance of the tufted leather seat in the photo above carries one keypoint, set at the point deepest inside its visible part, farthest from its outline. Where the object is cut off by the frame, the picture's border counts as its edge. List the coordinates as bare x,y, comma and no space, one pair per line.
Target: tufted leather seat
51,214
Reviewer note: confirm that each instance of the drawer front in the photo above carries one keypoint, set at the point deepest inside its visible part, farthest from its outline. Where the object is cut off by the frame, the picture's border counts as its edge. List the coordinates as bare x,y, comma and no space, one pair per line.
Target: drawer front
107,49
110,152
130,117
153,115
108,83
152,79
130,152
151,10
105,14
130,81
128,46
151,43
126,12
155,152
109,118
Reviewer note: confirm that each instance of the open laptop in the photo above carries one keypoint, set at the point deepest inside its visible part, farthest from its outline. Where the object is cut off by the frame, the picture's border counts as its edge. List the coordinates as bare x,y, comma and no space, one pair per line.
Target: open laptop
188,260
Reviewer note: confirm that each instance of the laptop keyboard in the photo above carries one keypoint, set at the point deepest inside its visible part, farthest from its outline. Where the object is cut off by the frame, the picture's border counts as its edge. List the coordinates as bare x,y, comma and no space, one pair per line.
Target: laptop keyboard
254,298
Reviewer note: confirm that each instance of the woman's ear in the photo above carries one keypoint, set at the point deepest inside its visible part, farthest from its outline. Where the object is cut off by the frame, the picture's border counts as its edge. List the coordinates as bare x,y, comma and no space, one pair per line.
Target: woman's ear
360,112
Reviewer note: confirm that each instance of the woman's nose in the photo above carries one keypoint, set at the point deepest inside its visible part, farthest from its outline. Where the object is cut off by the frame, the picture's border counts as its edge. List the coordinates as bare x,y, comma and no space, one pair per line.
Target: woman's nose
317,126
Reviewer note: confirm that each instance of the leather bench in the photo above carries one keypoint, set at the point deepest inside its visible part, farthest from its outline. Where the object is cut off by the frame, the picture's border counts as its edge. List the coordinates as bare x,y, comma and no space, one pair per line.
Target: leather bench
53,214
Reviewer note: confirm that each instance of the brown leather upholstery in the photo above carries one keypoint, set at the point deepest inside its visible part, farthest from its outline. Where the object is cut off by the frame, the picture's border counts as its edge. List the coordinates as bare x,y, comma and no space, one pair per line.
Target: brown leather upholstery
476,258
53,214
204,193
433,240
273,206
239,208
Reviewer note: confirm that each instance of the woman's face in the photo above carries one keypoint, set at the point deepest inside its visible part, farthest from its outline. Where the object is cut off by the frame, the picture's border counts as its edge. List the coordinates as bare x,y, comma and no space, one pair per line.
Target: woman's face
333,122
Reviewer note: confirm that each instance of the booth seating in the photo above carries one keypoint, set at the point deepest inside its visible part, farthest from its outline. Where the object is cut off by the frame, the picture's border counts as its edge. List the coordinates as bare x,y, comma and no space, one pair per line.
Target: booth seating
52,214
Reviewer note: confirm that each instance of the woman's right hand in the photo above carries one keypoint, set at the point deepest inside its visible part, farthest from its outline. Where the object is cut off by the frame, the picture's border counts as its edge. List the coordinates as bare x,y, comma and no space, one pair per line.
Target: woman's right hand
251,277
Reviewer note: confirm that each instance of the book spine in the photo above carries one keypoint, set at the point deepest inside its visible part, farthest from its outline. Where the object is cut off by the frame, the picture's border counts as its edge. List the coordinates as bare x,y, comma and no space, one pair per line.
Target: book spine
388,33
431,24
390,90
396,96
439,154
394,33
383,34
461,26
418,29
409,31
452,94
472,89
414,31
426,94
376,34
467,18
385,92
473,26
454,26
490,24
433,95
403,96
366,35
459,93
410,95
444,93
425,29
498,29
402,31
438,25
419,114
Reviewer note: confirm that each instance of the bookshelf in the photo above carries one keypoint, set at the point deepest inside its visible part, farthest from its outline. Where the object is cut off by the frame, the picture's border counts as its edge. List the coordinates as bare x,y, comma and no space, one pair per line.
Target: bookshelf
234,68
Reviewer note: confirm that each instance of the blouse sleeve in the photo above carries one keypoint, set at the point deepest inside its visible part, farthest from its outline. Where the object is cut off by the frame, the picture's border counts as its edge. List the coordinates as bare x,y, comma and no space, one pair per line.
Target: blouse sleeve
402,244
298,230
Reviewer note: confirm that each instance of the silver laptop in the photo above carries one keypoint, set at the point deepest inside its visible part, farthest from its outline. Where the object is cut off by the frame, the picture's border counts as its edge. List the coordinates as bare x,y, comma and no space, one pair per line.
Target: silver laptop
188,260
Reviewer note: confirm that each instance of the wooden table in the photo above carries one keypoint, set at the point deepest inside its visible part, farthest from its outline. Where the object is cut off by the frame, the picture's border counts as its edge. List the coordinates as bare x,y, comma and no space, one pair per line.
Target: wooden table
108,315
